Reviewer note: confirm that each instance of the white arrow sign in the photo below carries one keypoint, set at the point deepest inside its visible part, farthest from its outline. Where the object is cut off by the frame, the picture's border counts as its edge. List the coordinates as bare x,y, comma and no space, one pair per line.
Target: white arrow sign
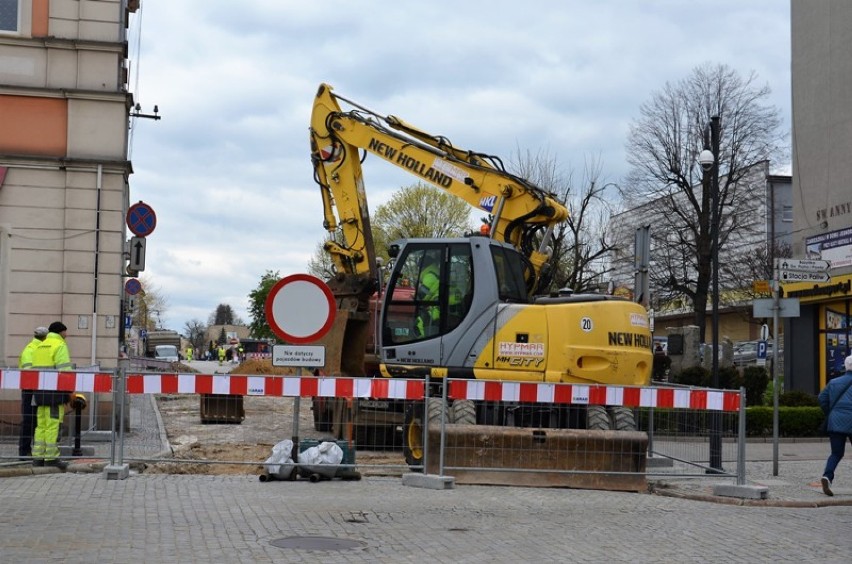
802,265
803,276
137,253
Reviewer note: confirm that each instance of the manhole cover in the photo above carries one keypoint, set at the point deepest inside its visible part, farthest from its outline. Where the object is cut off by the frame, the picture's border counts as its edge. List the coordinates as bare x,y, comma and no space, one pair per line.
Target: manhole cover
316,543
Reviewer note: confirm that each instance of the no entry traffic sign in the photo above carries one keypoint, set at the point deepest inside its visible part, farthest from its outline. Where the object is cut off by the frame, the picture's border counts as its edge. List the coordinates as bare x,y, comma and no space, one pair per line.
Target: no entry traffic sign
300,309
141,219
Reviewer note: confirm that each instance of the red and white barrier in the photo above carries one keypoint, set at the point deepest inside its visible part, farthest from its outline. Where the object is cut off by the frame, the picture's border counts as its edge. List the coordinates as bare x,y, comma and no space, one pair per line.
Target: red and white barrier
58,381
241,385
574,394
377,388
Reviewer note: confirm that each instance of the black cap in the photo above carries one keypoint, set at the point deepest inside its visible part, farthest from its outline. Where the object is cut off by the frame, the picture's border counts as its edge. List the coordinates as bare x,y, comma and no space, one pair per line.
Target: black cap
57,327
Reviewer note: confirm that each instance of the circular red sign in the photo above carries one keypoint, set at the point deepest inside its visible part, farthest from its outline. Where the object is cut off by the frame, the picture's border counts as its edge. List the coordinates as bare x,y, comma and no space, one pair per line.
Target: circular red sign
300,308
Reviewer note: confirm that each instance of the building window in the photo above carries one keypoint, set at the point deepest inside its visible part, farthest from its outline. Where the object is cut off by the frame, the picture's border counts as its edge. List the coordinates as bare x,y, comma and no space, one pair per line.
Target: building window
9,14
787,214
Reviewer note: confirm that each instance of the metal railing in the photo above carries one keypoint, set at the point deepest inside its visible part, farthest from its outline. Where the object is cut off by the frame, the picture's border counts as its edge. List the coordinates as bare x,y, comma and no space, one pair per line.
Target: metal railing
520,425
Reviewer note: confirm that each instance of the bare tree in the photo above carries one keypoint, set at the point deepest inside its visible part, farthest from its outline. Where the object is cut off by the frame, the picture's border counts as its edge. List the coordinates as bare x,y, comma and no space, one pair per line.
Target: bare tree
580,244
151,305
757,264
320,264
663,148
195,331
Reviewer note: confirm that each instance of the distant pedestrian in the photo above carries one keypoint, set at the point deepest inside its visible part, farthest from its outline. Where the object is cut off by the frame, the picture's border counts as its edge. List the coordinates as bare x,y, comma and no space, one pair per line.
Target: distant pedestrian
28,410
189,354
221,355
836,402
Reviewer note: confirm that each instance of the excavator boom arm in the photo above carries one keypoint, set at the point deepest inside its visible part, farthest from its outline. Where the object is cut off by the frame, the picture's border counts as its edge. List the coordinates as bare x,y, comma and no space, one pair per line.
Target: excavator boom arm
523,214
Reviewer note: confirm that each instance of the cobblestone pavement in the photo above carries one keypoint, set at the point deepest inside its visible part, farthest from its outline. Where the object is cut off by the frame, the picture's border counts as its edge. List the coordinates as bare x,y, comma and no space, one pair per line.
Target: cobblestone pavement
75,517
83,517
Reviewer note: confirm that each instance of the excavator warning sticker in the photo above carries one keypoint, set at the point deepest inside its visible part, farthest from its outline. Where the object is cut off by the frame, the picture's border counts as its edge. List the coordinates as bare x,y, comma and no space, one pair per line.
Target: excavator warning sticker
449,169
638,320
521,349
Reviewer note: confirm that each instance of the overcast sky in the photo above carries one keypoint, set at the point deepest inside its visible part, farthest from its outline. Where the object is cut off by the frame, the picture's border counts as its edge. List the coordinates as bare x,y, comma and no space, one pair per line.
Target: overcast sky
227,169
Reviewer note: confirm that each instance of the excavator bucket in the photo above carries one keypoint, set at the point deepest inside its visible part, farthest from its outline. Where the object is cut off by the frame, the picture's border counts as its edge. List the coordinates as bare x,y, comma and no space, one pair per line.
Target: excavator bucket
222,408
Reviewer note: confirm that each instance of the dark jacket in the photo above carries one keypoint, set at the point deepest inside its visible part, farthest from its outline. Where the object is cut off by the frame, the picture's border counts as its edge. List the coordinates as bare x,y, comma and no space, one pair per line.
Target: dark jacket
840,418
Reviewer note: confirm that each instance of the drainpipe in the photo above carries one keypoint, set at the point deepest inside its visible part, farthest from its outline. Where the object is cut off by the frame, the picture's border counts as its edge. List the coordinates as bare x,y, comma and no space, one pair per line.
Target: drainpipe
97,257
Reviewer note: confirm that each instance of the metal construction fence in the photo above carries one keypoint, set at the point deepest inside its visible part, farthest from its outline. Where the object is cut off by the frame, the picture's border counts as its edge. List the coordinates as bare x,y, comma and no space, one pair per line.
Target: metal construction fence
175,421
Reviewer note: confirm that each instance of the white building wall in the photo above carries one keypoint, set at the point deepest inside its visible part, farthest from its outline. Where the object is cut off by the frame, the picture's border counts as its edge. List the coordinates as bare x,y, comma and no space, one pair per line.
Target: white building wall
822,119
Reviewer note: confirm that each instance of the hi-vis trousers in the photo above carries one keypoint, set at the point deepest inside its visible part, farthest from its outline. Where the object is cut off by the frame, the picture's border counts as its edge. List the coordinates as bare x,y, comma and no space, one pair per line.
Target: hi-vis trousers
46,443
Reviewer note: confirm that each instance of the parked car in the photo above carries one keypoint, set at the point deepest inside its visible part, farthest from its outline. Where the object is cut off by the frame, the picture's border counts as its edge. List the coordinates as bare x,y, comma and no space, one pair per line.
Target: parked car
745,352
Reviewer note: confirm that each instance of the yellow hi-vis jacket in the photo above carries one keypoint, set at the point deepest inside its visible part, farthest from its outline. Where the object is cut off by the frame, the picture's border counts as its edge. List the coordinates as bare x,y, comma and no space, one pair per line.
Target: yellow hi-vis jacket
26,360
52,353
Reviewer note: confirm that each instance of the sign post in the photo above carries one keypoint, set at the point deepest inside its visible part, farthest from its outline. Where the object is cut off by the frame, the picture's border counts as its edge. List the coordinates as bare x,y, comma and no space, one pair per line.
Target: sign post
787,270
300,309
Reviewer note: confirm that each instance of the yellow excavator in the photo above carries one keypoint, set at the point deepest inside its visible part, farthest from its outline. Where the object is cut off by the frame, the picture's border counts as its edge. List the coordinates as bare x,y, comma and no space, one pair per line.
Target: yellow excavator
470,307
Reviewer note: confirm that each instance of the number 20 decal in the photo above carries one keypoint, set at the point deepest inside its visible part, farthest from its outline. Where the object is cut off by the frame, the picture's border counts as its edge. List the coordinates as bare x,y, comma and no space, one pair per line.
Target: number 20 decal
586,324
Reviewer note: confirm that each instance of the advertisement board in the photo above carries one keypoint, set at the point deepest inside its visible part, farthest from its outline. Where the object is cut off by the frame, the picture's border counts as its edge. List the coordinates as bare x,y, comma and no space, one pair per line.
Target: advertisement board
834,246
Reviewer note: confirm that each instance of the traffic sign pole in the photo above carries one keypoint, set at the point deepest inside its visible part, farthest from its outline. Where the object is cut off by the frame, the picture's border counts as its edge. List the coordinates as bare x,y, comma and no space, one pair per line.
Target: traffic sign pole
776,298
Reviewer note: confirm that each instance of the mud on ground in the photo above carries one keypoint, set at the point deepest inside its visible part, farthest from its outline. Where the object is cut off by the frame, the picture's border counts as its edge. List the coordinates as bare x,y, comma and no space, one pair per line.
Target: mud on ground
241,448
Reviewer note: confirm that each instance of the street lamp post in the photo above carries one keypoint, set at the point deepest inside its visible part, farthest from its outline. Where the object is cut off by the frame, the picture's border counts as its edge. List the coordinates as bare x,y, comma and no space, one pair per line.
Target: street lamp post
709,160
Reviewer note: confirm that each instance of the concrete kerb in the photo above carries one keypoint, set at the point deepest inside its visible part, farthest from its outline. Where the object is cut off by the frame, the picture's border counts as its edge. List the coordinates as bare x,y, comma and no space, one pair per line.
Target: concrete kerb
78,466
428,481
741,491
666,490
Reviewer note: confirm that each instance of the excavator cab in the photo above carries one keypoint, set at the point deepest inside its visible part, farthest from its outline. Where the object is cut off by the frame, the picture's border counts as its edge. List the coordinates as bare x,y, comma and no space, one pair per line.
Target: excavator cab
440,284
434,322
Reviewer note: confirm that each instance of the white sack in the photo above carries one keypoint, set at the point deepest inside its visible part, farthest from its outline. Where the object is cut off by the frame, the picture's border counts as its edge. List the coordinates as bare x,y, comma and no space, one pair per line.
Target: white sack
280,464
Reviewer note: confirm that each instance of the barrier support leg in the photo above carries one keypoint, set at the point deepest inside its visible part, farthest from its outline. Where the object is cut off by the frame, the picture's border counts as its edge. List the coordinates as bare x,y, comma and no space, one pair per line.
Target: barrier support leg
655,461
741,489
117,469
